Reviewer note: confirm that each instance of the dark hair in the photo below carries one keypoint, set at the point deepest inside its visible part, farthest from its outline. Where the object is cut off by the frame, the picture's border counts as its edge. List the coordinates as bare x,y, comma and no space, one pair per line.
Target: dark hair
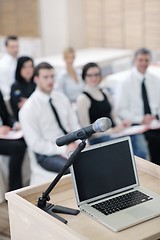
14,38
142,51
20,64
43,65
88,66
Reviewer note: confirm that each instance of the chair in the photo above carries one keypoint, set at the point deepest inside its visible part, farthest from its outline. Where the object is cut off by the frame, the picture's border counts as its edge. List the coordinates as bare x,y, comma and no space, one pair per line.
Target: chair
38,174
3,177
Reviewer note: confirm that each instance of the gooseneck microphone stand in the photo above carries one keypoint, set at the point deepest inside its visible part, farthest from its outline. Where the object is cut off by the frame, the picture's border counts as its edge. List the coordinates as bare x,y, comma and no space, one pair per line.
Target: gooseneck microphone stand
43,200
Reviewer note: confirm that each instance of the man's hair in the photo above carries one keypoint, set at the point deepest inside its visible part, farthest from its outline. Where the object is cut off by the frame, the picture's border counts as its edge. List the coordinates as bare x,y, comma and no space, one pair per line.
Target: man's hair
14,38
43,65
142,51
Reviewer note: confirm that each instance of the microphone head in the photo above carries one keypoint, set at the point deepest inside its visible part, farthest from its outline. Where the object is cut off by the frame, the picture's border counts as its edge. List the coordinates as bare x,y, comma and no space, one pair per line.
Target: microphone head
102,124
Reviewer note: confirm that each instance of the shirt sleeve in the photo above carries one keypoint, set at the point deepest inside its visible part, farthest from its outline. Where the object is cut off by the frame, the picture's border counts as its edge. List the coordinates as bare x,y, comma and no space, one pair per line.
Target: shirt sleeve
4,76
83,105
32,134
123,103
15,99
7,119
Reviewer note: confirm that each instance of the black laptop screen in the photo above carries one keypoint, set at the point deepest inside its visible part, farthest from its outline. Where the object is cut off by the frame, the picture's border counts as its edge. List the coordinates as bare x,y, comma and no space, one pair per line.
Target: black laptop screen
103,170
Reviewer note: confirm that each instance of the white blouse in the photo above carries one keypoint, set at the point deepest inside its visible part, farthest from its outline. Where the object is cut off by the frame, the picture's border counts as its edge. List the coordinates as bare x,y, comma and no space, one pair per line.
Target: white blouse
69,86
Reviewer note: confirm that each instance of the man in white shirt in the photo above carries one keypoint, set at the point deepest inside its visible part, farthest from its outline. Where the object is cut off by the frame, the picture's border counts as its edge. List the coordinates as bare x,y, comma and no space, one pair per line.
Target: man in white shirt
140,109
40,125
8,65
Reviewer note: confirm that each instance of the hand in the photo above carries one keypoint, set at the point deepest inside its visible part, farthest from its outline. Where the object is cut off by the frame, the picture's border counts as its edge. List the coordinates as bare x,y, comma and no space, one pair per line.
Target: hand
16,126
4,130
71,146
118,128
127,123
148,118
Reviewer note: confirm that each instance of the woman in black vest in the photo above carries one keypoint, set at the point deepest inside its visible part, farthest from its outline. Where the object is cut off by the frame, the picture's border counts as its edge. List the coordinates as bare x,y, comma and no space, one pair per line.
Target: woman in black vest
95,103
24,85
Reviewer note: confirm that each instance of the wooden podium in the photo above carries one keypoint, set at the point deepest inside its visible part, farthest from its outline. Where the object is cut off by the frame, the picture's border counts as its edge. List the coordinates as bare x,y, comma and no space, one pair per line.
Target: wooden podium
28,222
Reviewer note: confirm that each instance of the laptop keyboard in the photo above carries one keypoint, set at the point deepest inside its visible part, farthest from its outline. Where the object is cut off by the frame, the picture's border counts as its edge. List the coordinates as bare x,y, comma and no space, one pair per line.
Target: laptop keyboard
122,202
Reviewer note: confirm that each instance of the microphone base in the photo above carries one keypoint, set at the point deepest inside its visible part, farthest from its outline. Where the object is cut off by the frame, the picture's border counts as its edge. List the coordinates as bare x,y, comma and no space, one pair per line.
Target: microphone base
54,209
43,200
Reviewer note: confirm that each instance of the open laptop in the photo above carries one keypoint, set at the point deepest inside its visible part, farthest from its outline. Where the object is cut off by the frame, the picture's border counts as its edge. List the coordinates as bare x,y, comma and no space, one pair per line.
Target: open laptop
107,171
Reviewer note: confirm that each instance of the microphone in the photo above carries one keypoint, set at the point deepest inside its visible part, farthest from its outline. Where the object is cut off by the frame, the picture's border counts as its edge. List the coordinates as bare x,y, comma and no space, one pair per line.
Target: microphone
100,125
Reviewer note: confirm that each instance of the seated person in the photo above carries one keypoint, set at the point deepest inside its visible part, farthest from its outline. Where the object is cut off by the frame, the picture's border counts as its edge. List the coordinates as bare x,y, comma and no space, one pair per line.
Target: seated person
69,81
15,149
24,85
8,64
95,103
46,116
139,99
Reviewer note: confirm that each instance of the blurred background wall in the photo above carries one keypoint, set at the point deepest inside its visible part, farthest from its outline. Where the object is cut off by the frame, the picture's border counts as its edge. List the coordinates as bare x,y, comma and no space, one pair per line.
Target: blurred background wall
45,27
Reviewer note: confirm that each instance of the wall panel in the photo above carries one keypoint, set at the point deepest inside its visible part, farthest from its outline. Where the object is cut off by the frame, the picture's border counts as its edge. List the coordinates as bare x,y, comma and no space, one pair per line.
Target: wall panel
123,23
19,17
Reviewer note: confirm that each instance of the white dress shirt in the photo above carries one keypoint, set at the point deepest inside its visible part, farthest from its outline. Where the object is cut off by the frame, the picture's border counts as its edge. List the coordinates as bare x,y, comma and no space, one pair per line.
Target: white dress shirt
7,74
39,125
129,100
69,86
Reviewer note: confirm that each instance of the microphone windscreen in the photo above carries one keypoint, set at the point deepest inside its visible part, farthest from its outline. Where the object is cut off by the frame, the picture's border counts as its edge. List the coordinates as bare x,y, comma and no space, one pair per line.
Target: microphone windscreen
102,124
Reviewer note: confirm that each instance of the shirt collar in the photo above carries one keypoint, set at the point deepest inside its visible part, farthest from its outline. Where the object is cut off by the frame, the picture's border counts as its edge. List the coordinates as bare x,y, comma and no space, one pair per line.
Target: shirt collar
43,96
7,55
139,75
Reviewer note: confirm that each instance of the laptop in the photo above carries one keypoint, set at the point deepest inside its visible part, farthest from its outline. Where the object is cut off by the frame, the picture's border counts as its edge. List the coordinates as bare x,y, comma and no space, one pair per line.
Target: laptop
107,188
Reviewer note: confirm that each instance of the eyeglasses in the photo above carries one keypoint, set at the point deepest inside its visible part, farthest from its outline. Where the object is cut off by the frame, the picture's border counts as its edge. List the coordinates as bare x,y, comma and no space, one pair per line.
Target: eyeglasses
93,75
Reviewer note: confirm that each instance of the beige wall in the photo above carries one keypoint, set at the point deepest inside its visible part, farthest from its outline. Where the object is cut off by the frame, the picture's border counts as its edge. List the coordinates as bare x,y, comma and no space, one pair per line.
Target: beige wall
62,25
53,24
53,21
123,23
19,17
76,23
82,23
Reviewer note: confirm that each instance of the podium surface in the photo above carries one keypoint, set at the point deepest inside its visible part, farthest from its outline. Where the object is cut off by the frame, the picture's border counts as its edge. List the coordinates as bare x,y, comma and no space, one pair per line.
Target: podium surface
28,222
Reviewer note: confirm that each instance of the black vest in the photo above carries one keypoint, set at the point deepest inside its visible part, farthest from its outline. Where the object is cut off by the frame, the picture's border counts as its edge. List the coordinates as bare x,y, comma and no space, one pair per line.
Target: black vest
99,109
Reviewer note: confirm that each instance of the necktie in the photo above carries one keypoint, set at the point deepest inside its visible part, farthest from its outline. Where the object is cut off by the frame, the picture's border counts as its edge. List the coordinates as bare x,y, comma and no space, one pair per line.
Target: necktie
57,117
147,109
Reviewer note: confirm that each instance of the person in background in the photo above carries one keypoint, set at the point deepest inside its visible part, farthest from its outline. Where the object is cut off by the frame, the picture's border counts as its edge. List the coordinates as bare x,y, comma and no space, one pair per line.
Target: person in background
15,149
8,65
69,80
139,99
24,85
45,116
95,103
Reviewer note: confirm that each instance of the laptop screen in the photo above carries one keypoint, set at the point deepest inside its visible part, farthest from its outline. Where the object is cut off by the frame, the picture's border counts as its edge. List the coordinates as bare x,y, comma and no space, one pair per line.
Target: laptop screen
104,169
